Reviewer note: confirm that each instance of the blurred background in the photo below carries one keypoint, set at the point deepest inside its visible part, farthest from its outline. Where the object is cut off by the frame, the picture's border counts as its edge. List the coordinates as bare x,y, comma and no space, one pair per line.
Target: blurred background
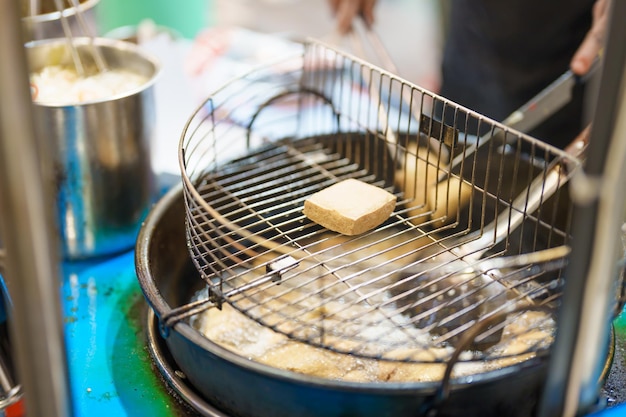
411,30
203,43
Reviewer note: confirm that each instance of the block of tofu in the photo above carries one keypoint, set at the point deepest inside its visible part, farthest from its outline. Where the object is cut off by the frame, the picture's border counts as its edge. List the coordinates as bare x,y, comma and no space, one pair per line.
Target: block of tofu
426,196
447,199
415,178
350,207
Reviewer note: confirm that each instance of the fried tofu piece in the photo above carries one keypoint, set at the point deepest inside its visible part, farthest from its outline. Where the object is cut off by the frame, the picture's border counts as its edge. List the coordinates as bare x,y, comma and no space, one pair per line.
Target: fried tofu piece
350,207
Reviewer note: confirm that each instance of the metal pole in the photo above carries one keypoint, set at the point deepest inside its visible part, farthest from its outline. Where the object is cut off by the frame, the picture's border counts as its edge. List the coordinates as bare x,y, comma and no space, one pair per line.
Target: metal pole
593,275
32,265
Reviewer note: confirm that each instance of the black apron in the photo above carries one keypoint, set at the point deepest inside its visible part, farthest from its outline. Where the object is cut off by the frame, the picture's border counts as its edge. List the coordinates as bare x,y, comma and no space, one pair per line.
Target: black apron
500,53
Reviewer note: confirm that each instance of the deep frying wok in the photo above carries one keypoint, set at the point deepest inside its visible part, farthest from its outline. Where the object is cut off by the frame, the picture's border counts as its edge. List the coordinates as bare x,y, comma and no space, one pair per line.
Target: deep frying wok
242,387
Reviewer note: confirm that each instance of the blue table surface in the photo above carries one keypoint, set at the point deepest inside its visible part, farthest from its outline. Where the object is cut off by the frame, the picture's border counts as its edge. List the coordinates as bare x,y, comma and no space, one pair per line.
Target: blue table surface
110,369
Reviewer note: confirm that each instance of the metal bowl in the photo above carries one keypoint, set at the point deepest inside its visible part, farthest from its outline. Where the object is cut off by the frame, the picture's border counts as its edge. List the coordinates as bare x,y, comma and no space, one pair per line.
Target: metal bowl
47,25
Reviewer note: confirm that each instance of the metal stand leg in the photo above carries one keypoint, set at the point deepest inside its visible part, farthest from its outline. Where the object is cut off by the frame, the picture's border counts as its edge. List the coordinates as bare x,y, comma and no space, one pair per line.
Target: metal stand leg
31,261
591,291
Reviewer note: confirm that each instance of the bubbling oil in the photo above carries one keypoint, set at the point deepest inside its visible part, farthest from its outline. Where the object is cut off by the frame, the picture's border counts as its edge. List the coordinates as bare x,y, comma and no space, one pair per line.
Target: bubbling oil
238,333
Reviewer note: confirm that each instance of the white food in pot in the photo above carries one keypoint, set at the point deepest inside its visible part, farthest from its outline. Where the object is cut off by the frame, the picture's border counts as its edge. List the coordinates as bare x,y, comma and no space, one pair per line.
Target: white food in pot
62,85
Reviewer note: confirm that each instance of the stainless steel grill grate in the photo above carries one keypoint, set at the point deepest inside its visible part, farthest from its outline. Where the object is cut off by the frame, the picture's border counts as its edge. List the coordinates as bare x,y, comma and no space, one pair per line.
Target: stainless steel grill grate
469,264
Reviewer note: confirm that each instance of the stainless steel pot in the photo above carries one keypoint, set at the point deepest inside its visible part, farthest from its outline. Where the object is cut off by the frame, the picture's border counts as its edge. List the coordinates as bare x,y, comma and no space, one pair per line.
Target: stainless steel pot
242,387
101,152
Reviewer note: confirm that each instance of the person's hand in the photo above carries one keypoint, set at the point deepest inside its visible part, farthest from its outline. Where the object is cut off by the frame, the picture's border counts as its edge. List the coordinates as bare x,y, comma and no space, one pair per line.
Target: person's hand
590,47
345,11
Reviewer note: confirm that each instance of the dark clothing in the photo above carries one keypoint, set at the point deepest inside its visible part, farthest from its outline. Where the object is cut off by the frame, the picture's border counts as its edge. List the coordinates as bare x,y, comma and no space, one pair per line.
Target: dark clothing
500,53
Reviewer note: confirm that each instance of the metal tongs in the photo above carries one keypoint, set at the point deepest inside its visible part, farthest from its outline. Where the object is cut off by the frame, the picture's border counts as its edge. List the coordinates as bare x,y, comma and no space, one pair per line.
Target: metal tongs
530,115
457,264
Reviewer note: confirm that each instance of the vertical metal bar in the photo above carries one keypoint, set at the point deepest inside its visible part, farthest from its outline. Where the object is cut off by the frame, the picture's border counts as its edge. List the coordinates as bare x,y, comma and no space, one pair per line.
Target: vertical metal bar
599,196
32,267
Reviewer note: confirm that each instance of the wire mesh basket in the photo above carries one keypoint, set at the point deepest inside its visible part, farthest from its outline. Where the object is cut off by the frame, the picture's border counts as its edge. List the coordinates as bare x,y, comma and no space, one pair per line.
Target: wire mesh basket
467,267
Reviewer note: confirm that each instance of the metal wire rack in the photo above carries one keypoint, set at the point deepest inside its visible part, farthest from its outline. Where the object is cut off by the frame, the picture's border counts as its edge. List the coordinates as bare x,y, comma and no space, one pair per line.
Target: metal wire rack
468,266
